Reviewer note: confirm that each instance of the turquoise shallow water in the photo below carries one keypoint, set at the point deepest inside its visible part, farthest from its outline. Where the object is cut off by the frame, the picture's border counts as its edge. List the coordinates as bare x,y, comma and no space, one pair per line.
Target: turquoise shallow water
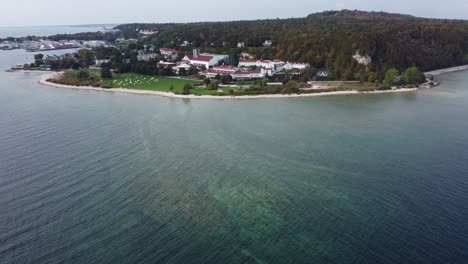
93,177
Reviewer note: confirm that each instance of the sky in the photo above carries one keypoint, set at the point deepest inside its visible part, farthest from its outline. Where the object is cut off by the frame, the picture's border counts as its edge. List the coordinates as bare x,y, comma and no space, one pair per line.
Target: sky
80,12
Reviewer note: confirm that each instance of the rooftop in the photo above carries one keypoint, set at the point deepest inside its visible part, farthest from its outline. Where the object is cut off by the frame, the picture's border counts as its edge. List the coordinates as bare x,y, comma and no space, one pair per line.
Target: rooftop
169,50
205,58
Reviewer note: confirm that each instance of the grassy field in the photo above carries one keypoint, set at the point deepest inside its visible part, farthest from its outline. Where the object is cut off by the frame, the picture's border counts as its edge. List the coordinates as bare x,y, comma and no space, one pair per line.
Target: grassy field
161,83
141,82
164,84
153,83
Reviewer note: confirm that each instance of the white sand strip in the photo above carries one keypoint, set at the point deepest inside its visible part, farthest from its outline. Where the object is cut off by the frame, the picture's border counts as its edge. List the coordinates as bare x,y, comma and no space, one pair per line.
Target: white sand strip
44,81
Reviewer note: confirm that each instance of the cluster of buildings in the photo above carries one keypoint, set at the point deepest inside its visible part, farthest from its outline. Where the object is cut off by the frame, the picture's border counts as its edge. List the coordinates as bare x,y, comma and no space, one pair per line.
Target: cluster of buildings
277,65
9,45
267,43
205,60
213,65
95,43
143,56
148,32
196,60
237,73
169,54
254,69
45,45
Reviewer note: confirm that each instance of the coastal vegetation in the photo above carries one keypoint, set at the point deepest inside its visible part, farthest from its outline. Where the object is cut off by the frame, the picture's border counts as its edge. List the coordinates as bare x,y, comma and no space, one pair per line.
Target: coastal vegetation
78,78
176,85
151,83
350,45
95,78
364,51
328,40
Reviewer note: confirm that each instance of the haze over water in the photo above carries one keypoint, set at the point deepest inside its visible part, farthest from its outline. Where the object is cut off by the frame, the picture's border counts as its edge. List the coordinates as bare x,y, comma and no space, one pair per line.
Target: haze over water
18,32
94,177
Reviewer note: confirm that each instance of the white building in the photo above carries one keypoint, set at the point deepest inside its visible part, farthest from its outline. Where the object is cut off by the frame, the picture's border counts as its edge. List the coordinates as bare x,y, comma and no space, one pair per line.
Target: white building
241,44
147,57
219,70
245,55
296,65
276,65
99,63
267,43
170,54
251,74
165,64
205,59
94,43
185,43
236,73
182,65
149,31
322,73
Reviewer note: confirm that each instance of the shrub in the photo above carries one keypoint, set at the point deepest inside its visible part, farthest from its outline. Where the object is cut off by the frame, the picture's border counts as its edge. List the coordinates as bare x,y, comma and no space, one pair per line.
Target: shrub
187,88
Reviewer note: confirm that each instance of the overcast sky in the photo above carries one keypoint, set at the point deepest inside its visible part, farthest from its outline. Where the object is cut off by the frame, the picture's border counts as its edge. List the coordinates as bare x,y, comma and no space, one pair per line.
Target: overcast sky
66,12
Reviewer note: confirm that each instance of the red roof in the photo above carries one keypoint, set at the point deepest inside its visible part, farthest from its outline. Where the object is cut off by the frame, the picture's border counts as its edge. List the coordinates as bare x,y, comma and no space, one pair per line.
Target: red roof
247,72
225,68
205,58
210,71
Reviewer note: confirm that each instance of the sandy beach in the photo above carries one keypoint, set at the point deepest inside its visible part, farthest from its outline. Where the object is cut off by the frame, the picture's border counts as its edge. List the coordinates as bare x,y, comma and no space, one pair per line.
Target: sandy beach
447,70
44,81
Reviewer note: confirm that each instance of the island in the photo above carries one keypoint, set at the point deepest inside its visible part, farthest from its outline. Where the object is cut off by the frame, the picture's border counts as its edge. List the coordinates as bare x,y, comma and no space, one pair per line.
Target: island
333,52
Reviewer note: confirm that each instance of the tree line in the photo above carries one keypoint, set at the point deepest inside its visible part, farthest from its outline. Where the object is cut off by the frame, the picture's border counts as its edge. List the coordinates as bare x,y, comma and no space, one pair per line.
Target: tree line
328,40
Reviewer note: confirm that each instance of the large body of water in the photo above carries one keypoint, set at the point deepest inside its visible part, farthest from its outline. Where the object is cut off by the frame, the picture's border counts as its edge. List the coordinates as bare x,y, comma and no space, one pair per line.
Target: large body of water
94,177
18,32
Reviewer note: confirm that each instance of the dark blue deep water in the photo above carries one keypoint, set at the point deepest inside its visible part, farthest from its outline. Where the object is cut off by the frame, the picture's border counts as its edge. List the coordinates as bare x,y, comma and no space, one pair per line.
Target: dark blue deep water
94,177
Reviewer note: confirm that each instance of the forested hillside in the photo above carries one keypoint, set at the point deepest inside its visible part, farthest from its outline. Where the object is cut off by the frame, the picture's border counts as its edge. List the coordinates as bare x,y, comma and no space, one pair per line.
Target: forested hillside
329,40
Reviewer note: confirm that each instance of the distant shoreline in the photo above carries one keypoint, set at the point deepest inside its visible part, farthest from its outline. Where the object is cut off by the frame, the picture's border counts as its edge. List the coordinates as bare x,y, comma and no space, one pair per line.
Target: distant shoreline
44,81
447,70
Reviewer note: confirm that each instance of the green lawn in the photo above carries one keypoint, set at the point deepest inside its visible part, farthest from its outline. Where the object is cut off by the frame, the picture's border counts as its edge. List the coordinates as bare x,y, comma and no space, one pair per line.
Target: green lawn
160,83
142,82
203,91
364,86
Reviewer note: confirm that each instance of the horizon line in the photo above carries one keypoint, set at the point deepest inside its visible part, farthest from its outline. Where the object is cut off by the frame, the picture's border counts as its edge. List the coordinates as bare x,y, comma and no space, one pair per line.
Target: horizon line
220,20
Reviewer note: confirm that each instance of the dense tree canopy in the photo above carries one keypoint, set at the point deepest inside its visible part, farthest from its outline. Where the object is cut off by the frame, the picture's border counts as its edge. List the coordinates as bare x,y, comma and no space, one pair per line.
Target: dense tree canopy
412,76
336,41
391,77
328,40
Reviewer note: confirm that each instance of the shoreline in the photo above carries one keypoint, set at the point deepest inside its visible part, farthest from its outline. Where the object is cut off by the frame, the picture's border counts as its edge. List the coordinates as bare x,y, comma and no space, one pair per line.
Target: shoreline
44,81
447,70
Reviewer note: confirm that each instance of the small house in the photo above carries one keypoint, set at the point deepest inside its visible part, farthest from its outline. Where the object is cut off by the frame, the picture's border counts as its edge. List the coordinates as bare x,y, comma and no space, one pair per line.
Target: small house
45,67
